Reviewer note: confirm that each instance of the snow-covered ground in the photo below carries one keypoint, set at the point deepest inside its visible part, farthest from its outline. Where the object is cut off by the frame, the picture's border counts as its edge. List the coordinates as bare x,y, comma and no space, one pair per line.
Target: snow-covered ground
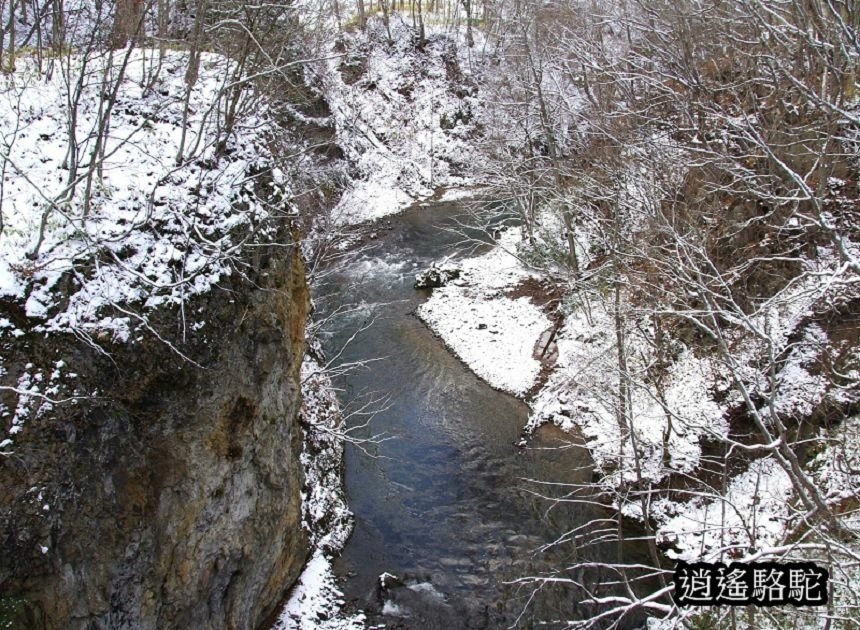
495,335
752,514
163,231
670,423
157,231
316,600
405,118
582,393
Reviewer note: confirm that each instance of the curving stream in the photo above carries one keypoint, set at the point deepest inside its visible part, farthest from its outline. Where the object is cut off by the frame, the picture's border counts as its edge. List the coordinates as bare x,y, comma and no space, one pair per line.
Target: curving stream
446,505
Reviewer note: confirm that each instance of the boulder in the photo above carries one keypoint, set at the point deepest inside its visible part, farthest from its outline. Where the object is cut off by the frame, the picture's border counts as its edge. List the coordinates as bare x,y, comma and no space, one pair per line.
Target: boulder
436,276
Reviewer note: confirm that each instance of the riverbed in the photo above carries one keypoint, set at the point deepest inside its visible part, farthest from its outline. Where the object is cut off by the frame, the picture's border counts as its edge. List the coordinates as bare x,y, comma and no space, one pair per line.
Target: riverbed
444,498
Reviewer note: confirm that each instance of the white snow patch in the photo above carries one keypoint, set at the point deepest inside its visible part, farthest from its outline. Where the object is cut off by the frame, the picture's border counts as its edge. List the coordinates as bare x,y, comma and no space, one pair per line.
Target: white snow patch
394,610
582,392
457,194
313,600
493,334
494,337
404,123
752,515
316,600
156,233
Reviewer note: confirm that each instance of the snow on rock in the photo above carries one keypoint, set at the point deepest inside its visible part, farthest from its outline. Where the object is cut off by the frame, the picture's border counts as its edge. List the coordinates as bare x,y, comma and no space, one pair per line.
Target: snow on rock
405,117
326,516
436,276
316,600
493,334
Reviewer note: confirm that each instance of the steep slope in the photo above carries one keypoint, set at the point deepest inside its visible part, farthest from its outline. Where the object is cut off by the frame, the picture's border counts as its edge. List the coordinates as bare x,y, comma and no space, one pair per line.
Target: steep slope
170,497
405,112
150,364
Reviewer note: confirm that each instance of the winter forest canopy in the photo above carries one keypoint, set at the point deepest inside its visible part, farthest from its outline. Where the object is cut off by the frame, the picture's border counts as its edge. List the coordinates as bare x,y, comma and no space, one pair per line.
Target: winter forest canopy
678,180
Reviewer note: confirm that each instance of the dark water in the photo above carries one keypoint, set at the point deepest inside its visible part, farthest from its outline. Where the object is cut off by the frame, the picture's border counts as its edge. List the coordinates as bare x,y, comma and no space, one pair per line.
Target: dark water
446,505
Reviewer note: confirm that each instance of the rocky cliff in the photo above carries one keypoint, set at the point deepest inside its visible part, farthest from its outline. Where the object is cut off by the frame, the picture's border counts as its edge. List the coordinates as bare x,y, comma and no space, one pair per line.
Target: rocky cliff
165,494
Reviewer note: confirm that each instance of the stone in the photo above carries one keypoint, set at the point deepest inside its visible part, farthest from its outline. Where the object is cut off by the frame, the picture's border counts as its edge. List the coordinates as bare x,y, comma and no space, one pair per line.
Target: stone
178,503
436,276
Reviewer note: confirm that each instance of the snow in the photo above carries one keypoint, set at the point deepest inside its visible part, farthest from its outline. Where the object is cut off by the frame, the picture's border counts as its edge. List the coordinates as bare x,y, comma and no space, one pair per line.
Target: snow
316,600
836,468
457,194
156,233
406,124
326,516
164,232
672,421
494,335
582,392
750,516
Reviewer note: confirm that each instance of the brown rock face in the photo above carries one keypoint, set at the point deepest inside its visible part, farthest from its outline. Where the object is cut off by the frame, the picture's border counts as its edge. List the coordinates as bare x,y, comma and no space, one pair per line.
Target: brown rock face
171,498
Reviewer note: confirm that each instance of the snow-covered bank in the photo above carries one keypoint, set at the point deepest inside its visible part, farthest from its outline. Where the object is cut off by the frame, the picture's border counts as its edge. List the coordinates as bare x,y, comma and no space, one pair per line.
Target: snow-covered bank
582,392
316,600
406,117
495,335
674,420
153,250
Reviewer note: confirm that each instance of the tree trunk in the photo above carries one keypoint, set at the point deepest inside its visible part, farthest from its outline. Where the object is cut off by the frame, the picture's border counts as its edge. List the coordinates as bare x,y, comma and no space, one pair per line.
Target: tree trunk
362,17
467,4
127,23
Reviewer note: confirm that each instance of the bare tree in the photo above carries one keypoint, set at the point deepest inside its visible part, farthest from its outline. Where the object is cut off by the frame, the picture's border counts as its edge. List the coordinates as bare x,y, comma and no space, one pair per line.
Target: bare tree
697,183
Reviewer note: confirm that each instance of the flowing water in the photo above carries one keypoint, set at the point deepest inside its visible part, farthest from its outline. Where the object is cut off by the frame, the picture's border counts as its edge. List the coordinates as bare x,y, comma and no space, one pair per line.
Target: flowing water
447,504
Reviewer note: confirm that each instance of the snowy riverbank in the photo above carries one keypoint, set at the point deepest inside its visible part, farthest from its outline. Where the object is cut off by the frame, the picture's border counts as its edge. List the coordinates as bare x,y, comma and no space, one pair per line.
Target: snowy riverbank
405,116
316,600
500,339
494,334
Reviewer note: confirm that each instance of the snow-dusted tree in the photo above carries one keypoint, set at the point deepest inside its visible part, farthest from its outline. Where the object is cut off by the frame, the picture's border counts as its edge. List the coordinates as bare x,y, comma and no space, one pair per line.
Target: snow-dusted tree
700,158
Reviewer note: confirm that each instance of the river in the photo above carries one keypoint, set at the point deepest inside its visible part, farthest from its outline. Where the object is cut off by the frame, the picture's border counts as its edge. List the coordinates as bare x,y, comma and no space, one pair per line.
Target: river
446,504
